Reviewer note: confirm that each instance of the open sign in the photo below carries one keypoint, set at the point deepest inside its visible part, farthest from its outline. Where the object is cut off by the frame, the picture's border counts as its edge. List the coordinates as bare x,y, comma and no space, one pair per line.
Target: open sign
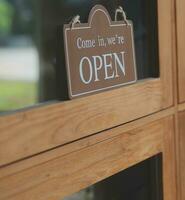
100,54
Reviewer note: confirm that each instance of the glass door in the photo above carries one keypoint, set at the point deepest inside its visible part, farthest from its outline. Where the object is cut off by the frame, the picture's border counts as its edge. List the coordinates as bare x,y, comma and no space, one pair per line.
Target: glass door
52,147
32,72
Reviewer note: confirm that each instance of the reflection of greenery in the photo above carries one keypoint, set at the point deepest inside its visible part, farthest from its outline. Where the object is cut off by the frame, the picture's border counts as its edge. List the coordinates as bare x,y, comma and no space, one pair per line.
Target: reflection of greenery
23,18
16,94
6,12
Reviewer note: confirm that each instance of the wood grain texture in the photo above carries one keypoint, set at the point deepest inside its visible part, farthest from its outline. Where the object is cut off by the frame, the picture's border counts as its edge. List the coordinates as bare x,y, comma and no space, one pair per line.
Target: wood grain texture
166,20
59,177
181,159
181,107
180,6
169,160
30,132
83,143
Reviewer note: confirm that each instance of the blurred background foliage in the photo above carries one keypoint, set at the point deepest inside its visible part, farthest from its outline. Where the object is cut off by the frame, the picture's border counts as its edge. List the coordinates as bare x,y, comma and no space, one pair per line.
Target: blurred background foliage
16,94
6,17
17,28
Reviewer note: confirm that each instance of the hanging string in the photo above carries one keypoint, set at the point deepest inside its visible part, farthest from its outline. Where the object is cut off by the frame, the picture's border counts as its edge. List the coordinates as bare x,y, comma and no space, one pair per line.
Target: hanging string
121,11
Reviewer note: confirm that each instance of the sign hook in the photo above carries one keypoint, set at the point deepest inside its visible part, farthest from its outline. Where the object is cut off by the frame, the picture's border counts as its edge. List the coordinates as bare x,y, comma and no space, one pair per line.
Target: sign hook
121,11
75,20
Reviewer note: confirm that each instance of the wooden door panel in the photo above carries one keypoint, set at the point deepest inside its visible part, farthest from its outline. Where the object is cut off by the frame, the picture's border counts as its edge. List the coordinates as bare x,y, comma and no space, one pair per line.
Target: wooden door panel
68,170
181,158
180,5
30,132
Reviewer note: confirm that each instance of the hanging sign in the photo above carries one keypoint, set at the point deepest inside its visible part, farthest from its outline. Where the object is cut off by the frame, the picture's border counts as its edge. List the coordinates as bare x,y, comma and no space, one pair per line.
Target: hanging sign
99,54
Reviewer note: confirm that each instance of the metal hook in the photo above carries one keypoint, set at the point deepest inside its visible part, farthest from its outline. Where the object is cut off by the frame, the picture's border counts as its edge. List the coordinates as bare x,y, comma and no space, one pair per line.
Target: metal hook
75,20
120,10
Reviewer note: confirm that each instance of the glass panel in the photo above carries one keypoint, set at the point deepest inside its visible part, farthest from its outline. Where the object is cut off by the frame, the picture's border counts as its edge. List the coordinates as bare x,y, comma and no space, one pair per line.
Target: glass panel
32,65
19,59
141,182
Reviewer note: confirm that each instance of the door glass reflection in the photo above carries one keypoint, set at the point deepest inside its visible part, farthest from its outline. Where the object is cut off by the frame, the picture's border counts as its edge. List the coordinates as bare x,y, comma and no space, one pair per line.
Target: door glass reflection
19,58
32,64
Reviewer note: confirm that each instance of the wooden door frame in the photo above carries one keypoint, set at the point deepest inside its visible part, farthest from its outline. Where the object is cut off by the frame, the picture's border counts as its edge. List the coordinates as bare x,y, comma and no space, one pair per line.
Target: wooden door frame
180,116
180,49
62,171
